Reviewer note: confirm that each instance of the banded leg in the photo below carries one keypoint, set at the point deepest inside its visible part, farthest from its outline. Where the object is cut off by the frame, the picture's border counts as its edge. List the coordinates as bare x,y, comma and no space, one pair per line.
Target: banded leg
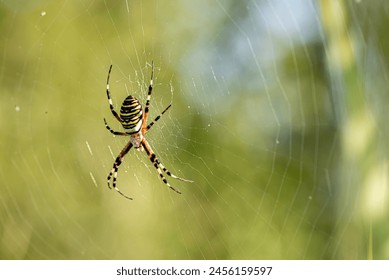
156,119
149,93
169,173
114,132
114,170
157,164
109,97
154,159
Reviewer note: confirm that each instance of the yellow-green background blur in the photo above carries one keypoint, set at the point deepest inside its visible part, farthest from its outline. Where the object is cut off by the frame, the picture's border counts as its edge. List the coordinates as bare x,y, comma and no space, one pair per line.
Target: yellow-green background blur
279,116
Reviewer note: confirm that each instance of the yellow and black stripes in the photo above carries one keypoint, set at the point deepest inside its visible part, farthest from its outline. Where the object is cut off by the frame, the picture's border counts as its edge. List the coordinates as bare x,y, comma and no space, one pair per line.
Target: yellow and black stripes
131,114
134,120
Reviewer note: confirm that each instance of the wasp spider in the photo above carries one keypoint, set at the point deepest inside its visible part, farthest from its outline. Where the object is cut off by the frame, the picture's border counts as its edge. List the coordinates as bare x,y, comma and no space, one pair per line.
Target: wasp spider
134,121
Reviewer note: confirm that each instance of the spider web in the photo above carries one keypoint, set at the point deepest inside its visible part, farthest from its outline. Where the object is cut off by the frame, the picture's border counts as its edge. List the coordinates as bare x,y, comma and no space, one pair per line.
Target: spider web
278,116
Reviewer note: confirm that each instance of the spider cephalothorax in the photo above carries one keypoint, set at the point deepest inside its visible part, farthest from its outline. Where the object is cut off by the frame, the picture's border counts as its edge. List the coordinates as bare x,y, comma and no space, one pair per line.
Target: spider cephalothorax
134,121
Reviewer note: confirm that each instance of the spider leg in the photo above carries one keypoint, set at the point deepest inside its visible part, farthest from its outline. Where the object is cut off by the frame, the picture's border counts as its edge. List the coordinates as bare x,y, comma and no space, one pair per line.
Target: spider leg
115,132
156,119
109,97
154,159
169,173
157,164
114,170
149,93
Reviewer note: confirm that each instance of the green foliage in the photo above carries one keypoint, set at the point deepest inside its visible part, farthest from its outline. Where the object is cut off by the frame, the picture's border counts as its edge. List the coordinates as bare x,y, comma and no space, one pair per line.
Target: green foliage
285,143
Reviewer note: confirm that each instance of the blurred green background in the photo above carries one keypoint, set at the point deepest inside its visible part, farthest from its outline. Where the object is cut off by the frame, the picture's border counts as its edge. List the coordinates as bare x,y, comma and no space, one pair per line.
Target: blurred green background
279,117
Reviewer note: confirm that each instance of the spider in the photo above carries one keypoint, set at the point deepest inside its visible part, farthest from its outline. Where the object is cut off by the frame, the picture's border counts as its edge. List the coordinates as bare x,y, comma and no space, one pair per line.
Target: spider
134,121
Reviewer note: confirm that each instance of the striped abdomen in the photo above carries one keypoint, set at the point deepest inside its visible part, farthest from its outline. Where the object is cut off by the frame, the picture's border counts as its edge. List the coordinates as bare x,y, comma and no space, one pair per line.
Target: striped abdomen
131,114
